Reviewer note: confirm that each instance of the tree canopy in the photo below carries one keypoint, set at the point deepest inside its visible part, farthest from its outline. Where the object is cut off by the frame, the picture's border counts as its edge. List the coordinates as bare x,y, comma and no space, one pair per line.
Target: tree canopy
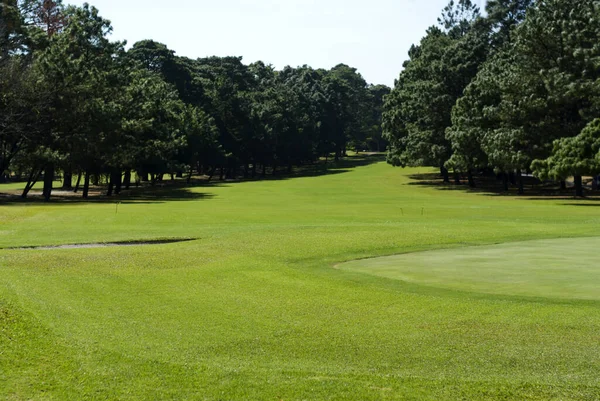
75,103
500,90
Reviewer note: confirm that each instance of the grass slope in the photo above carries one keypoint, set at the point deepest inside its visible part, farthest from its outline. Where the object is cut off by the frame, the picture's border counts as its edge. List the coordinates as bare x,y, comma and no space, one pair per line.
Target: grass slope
254,310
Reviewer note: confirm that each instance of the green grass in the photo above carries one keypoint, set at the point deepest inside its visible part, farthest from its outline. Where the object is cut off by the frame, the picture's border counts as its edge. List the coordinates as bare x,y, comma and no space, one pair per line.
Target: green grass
560,268
254,309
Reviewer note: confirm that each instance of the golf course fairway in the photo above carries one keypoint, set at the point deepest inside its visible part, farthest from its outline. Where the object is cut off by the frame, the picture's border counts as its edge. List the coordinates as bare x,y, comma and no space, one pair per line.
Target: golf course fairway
492,297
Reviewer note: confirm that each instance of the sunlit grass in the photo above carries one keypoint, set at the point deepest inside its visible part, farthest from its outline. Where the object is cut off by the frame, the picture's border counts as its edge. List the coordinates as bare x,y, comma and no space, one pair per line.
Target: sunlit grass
254,309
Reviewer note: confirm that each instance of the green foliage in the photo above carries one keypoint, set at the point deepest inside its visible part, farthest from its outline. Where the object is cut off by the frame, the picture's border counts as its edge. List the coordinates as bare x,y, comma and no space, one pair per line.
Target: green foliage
458,16
153,125
101,110
374,139
498,91
573,156
418,111
503,16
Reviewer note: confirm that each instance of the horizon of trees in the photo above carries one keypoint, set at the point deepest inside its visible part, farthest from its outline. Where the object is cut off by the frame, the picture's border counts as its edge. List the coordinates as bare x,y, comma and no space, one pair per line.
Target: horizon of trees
514,91
75,103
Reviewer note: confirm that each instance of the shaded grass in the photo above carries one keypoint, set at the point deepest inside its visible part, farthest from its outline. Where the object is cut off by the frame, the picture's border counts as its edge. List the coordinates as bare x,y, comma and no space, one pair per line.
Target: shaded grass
254,310
490,184
178,189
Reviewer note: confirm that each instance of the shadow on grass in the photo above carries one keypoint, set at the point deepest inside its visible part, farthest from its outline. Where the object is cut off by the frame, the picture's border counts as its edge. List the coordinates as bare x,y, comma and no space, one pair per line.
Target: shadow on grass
104,244
142,195
490,185
318,169
181,190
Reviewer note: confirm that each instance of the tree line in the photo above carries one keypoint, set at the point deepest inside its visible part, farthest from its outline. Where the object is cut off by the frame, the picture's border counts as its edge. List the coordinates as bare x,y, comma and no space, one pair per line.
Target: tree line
76,104
514,90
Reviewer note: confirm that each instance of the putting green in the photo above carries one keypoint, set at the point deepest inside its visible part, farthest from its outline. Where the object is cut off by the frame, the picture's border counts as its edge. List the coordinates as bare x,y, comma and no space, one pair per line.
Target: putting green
559,268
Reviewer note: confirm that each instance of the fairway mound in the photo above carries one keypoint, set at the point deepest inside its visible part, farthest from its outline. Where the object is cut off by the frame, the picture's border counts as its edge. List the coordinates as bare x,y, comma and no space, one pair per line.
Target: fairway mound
105,244
565,268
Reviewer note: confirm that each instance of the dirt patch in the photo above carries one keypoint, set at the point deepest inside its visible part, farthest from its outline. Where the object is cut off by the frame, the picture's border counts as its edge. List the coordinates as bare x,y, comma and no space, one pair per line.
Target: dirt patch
104,244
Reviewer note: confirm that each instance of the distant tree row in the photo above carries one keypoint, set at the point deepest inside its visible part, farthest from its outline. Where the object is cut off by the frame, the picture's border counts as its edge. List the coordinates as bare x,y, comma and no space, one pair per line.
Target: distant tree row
516,90
76,103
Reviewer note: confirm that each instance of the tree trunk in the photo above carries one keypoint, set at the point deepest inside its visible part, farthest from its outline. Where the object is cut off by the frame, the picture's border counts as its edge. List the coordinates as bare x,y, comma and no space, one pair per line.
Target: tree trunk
456,178
578,186
505,181
48,181
264,170
470,178
111,184
511,178
595,183
86,185
118,182
33,177
67,180
444,173
211,173
127,179
520,180
189,177
253,170
222,177
563,185
77,183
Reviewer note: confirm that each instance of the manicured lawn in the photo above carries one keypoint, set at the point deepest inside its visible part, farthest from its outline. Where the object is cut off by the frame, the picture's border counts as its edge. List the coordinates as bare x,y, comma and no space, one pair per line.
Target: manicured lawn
558,268
260,306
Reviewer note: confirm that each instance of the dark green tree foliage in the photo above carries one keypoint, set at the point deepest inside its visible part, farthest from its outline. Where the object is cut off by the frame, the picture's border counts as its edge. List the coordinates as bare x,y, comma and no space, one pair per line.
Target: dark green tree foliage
307,89
505,89
80,70
347,95
74,102
573,157
22,110
11,29
457,17
418,111
503,16
479,134
374,140
552,91
484,132
275,118
158,58
416,129
24,99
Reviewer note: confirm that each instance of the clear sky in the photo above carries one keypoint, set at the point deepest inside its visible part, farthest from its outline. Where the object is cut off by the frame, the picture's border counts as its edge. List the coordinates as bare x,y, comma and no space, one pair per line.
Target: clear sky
372,35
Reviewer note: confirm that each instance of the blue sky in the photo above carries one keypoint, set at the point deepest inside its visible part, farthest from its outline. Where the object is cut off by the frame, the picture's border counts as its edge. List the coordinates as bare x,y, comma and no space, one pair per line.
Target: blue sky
374,36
